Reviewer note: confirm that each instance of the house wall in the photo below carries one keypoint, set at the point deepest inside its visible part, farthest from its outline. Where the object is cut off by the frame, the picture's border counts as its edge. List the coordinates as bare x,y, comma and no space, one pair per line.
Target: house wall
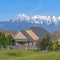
20,43
24,44
29,45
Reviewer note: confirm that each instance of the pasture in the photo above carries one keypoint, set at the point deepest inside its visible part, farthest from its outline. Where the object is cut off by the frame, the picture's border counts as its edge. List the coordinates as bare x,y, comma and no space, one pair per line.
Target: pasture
28,55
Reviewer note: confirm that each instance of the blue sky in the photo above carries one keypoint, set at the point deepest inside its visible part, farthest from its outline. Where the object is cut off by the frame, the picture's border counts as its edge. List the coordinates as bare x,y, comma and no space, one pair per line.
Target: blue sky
11,8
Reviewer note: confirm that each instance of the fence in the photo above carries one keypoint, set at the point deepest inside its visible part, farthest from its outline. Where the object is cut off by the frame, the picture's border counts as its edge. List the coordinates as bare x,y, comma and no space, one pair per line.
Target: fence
23,47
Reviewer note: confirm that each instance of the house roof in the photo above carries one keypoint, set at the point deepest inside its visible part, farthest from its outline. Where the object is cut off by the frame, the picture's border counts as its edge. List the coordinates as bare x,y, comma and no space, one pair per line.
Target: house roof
31,35
20,35
40,32
27,36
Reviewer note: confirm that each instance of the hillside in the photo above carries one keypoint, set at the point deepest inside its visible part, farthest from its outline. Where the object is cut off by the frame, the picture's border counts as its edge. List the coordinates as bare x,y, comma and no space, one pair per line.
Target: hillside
55,35
7,32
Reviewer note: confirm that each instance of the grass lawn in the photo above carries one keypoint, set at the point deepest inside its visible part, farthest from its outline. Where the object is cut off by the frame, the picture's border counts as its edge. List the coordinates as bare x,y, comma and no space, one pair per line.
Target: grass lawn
28,55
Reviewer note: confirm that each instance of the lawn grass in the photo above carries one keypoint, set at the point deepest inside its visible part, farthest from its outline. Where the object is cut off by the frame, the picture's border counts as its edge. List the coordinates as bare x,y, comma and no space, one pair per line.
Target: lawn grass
28,55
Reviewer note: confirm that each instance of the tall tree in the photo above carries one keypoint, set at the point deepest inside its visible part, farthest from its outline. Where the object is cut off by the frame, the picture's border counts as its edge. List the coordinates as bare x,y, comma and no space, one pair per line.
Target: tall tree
38,44
10,40
45,43
6,41
2,39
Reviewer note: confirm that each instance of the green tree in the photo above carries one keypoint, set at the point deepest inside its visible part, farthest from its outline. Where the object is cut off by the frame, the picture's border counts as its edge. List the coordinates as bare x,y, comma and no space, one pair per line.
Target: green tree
55,45
6,41
2,39
39,44
9,41
45,43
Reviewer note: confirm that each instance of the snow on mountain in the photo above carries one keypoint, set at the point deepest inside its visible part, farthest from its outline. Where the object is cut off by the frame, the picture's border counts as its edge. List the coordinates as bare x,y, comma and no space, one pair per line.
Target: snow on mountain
21,17
22,22
37,19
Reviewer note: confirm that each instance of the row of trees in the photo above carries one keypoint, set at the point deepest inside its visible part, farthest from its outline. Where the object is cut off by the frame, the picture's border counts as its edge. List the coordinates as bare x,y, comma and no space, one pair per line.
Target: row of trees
6,40
47,44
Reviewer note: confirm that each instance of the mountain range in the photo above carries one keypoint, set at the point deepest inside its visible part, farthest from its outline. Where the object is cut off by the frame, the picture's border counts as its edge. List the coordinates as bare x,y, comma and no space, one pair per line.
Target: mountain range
22,22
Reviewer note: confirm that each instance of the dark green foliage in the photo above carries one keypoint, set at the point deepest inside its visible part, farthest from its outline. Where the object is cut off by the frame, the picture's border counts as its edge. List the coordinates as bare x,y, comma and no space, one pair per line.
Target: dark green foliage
2,39
38,44
10,40
6,41
45,43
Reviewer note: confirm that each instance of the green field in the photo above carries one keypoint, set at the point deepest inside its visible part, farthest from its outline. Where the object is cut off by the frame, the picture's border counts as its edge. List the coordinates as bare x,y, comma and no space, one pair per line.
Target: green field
28,55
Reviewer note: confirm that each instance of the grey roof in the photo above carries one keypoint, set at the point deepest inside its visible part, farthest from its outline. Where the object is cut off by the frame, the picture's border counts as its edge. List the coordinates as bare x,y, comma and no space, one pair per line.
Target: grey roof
40,32
28,37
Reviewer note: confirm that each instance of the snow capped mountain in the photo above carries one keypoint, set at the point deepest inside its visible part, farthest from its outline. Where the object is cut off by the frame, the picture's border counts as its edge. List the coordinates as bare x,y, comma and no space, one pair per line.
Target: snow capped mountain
20,17
22,21
37,19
